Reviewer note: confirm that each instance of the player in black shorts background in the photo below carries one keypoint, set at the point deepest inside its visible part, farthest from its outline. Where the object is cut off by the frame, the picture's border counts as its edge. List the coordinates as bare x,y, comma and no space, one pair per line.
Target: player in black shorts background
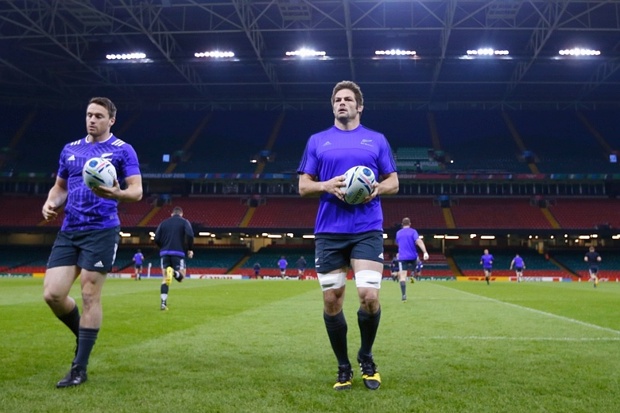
175,239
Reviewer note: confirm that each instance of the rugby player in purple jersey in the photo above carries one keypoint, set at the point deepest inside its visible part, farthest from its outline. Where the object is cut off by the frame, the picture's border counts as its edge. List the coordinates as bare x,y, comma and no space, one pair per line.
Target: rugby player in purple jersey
407,238
487,265
519,265
87,242
348,235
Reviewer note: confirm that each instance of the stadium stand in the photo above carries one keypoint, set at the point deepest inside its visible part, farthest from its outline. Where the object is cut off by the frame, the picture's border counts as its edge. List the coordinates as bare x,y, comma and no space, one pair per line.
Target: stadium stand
291,212
586,213
21,211
204,212
498,213
421,210
478,141
560,142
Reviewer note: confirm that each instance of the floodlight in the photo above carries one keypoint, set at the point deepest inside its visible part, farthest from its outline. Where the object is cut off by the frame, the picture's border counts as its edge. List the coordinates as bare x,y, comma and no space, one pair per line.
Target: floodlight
304,52
126,56
215,54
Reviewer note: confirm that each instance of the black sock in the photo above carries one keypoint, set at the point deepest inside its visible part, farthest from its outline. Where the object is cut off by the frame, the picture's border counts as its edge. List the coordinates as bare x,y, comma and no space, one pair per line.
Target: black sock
403,287
369,324
337,332
164,289
88,336
72,320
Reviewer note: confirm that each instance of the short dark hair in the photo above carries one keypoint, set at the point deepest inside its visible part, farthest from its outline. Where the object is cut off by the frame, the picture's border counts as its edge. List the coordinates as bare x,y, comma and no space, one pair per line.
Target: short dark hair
406,221
106,103
177,211
353,87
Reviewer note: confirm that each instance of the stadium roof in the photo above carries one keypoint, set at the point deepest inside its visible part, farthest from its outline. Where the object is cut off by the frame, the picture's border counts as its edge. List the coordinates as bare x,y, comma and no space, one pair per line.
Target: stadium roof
53,52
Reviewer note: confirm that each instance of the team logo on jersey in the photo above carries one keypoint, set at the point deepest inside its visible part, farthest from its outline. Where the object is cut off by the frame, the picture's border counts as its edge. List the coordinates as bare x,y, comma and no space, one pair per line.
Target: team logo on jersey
327,143
107,156
367,142
71,158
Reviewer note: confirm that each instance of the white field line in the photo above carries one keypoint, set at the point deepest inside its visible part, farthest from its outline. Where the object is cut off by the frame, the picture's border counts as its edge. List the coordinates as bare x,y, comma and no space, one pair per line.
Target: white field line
544,313
505,338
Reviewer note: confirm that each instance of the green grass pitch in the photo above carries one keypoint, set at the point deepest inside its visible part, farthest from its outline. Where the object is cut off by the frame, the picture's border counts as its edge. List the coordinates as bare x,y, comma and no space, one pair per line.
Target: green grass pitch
261,346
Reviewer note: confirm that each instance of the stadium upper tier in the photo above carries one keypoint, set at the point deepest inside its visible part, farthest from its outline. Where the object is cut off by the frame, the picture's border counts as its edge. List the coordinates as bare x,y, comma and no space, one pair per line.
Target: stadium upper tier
258,141
233,213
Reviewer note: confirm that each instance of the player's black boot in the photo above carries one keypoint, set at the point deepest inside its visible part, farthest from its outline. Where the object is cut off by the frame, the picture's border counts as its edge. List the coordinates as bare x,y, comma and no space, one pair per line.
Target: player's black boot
345,374
370,375
76,376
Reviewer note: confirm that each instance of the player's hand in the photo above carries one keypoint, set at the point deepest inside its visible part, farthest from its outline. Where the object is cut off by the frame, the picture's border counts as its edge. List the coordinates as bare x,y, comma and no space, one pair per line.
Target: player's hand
425,256
49,211
190,254
373,194
108,192
334,186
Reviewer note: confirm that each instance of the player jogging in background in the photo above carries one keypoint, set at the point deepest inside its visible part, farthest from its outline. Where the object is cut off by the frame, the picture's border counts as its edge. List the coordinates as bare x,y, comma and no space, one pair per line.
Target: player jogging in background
138,261
519,265
175,239
593,258
348,235
418,270
407,239
282,264
301,267
87,242
487,265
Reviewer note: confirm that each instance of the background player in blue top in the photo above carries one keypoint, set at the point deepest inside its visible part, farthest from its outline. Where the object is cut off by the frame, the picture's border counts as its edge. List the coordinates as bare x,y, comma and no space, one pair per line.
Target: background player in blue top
407,239
88,239
348,235
138,260
282,264
519,265
487,265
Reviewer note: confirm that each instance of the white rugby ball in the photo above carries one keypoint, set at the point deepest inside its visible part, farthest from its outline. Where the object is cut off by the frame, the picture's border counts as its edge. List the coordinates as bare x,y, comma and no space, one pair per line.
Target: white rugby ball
358,180
98,172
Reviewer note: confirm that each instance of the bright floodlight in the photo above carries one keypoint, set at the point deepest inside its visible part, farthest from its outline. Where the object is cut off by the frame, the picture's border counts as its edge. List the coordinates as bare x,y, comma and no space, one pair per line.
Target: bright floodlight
487,51
215,54
126,56
395,52
306,53
579,52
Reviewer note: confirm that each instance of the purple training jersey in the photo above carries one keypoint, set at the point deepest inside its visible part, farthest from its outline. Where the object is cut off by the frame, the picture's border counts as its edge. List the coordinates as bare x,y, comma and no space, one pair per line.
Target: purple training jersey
331,153
518,262
487,261
85,210
406,238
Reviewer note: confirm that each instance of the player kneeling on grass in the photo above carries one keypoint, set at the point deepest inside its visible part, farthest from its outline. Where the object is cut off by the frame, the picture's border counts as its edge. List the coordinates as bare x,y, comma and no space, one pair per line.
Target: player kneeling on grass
175,239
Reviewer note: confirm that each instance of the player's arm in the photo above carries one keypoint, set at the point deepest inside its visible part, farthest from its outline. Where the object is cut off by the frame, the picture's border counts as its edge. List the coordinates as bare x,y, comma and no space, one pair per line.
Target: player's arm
55,199
189,237
422,247
132,193
309,186
388,186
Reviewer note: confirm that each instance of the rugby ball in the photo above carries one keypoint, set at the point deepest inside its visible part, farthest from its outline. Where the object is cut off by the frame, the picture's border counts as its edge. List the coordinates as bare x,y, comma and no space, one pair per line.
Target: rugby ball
358,180
98,172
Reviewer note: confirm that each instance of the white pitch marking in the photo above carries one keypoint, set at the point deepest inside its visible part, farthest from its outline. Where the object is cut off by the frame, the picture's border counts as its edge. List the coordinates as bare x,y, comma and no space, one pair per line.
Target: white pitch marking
501,338
571,320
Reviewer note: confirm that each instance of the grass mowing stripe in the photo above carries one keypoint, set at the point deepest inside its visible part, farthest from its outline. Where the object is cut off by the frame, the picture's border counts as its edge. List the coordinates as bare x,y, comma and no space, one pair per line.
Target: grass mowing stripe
244,346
